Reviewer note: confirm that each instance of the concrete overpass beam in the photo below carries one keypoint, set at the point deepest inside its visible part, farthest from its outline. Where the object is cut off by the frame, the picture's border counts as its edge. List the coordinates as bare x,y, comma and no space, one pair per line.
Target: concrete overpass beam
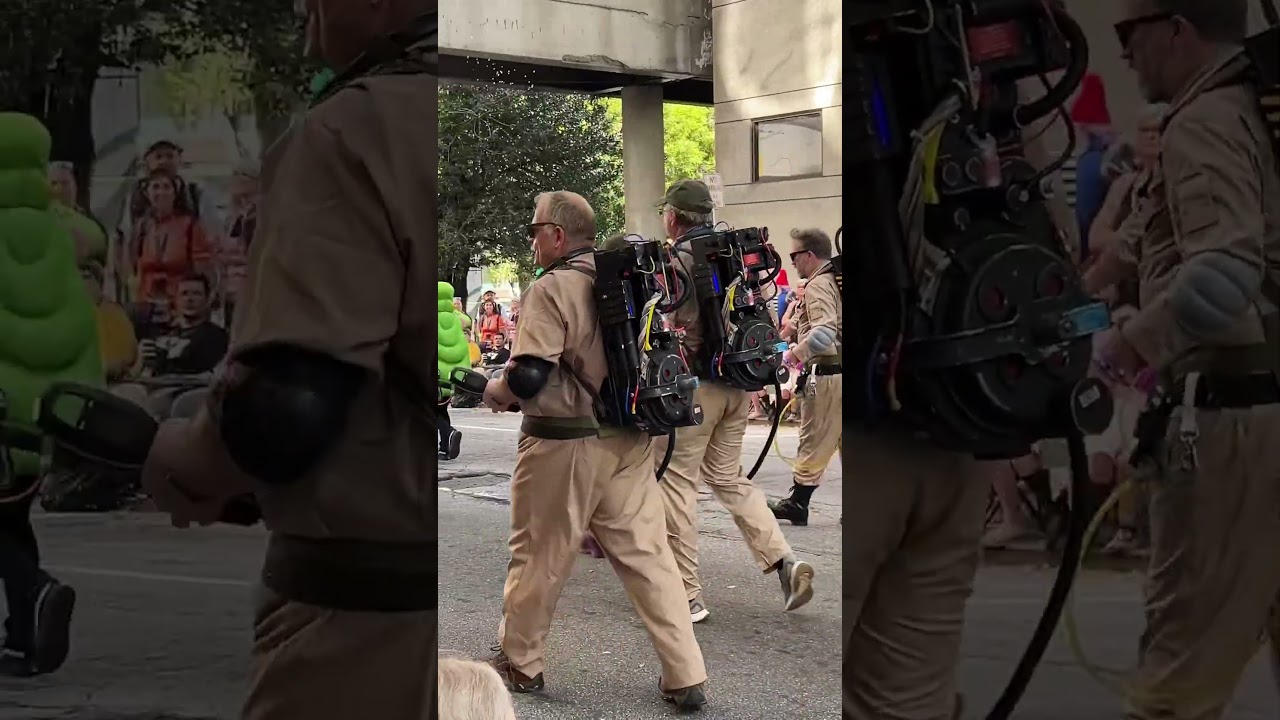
643,158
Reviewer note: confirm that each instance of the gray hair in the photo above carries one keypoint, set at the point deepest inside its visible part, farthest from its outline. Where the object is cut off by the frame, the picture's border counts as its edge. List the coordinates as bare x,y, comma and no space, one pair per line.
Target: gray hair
571,212
686,219
472,690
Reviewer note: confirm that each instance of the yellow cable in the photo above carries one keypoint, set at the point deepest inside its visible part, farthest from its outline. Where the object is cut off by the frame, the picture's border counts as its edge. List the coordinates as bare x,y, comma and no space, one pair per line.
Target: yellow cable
932,144
792,463
1119,681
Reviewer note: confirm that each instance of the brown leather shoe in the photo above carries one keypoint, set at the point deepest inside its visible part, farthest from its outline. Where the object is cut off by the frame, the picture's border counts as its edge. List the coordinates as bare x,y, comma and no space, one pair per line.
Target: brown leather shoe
515,680
685,699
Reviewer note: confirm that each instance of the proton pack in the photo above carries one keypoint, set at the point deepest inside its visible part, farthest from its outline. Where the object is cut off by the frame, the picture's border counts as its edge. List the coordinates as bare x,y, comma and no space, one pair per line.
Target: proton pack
972,326
649,385
741,345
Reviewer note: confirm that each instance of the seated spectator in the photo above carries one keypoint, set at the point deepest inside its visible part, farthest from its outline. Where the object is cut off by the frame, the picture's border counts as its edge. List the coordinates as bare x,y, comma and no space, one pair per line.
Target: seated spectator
116,338
499,351
471,690
191,345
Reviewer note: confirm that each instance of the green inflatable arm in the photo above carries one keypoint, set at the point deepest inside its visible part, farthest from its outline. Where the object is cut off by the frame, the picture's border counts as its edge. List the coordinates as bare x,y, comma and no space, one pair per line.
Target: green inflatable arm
455,351
48,325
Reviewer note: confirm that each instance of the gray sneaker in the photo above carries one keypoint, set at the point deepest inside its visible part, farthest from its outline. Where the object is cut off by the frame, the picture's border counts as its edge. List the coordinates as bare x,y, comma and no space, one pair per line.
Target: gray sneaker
698,611
796,577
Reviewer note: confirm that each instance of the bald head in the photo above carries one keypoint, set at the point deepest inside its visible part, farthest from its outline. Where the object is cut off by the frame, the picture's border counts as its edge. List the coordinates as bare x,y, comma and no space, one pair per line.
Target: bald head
571,212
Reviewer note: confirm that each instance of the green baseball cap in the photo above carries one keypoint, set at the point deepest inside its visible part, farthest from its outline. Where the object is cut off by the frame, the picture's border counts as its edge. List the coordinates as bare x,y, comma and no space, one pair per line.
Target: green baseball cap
692,196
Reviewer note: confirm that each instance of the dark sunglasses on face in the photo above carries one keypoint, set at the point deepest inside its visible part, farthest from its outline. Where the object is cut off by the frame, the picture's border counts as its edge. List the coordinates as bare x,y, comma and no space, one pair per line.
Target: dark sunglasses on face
533,228
796,254
1126,28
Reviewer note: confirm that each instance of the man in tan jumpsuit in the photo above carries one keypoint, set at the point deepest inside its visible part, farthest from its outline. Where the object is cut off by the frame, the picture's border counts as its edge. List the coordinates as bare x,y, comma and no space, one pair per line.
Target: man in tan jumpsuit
574,475
712,451
1208,259
817,347
343,290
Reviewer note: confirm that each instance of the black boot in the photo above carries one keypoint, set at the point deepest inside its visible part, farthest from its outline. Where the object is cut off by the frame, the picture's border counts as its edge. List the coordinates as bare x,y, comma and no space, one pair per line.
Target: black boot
794,507
788,509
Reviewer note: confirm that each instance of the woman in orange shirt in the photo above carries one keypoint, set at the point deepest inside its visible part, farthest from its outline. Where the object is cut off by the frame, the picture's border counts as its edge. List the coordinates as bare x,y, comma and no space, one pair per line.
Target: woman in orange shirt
491,324
168,243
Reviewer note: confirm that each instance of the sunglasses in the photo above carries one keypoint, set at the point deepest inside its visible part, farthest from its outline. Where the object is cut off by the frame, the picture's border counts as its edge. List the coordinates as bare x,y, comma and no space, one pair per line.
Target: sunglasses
1126,28
532,228
796,254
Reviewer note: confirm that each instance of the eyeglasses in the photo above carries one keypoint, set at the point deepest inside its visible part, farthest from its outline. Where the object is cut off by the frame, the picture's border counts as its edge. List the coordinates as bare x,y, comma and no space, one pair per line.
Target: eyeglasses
1125,28
796,254
532,228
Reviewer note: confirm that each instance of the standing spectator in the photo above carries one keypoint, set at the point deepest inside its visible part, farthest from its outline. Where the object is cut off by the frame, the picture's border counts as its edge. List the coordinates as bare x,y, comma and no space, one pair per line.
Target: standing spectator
237,236
89,235
1092,120
116,338
1129,187
489,325
168,243
513,322
166,156
463,319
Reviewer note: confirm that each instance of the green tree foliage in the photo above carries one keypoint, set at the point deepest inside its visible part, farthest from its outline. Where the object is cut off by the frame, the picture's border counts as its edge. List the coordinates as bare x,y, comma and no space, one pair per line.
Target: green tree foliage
501,146
54,51
260,46
689,139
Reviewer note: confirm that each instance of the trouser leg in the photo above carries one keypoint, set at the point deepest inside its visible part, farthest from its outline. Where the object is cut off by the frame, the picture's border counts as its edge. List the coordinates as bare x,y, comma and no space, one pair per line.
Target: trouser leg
722,472
553,491
679,488
19,570
1212,580
912,552
630,524
821,427
320,664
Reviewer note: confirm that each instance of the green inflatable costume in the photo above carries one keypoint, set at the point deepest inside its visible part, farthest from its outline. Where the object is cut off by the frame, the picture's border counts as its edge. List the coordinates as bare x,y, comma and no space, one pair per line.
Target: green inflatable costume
455,352
48,328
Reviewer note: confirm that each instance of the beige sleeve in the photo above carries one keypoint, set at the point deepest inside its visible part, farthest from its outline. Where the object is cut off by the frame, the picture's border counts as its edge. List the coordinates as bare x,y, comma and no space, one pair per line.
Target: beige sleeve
822,303
1215,195
543,330
331,274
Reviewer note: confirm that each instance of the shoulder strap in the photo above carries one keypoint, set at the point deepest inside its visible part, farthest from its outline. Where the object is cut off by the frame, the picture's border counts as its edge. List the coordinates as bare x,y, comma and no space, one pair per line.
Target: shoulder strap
596,402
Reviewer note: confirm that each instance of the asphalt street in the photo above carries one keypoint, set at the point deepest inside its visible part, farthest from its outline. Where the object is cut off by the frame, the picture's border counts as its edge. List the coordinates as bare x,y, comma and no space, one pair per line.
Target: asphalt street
163,629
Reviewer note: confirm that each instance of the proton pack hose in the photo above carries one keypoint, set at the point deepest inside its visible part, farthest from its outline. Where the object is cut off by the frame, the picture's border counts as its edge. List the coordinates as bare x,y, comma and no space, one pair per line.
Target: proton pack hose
778,409
1077,523
666,456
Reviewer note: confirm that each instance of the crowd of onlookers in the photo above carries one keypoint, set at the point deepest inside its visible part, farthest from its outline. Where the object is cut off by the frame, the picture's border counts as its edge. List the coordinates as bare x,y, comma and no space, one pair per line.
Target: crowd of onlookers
1109,180
167,278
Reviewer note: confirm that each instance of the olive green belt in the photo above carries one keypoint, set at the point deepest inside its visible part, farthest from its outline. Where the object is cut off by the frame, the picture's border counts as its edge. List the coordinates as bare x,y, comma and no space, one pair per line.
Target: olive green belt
553,428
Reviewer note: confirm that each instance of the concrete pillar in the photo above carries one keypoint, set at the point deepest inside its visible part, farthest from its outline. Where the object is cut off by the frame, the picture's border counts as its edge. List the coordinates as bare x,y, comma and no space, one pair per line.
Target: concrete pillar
643,159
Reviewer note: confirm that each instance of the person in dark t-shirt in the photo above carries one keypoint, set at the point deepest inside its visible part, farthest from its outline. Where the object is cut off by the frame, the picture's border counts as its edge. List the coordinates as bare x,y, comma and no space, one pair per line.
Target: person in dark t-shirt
193,344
